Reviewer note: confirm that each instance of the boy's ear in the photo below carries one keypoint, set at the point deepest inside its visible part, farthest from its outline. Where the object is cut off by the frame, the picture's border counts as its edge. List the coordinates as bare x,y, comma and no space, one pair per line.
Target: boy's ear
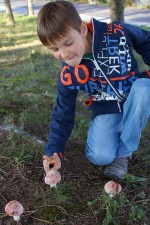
84,29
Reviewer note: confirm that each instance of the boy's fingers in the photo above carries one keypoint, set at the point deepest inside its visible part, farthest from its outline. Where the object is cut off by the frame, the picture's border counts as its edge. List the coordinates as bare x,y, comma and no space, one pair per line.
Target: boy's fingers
46,166
55,155
45,157
52,159
49,159
56,167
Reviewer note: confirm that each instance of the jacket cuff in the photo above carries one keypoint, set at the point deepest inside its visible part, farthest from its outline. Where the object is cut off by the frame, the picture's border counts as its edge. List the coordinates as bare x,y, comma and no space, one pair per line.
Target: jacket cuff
61,158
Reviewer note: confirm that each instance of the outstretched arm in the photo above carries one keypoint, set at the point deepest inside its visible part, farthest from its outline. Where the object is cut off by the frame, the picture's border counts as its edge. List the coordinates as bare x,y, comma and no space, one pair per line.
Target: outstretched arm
62,121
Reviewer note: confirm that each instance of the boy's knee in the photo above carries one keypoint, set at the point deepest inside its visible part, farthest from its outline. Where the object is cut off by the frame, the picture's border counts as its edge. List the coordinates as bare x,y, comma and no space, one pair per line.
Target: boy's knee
140,91
141,86
100,158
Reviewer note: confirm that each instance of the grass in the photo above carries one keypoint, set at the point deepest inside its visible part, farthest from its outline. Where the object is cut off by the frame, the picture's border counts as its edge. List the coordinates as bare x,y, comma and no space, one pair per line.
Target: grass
28,76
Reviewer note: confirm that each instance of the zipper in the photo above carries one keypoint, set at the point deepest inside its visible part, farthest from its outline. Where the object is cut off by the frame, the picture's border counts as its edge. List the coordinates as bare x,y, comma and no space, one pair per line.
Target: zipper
108,81
98,68
119,106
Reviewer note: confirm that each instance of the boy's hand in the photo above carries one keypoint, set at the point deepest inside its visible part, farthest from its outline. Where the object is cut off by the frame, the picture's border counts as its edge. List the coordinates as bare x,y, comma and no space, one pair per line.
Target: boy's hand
52,162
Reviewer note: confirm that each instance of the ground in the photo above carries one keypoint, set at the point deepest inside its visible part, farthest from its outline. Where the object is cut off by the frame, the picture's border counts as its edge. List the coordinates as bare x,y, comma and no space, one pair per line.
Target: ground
81,184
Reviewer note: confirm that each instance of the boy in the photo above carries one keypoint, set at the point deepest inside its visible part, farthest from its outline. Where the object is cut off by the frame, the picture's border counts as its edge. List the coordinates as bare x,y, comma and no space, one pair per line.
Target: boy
96,58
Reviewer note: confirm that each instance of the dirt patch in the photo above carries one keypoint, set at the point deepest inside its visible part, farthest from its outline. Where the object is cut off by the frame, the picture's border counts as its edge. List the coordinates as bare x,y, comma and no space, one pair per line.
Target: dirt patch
81,183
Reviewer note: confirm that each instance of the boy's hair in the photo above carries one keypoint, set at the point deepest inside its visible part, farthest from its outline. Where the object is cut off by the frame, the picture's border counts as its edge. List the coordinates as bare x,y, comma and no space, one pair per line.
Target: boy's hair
55,19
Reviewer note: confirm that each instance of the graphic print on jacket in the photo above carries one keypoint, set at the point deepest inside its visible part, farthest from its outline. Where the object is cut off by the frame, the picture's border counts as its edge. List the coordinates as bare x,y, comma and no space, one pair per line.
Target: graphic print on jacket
113,58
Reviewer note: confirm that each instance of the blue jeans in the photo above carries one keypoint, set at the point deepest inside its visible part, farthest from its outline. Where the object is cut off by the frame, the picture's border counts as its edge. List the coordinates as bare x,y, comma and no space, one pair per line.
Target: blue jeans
113,135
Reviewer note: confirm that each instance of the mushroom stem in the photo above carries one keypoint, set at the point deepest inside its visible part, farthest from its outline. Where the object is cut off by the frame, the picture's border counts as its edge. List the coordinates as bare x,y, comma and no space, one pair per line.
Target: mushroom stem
53,185
16,218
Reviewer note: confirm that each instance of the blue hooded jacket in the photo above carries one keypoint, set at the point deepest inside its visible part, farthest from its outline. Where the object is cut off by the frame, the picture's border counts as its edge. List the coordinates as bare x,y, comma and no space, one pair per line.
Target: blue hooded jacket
107,78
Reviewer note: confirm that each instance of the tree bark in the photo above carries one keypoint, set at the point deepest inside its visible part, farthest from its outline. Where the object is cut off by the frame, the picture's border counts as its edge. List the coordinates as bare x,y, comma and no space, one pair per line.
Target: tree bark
117,10
30,8
9,13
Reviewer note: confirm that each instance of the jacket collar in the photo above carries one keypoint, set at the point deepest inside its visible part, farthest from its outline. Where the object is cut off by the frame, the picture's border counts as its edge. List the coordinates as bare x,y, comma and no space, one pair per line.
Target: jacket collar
99,30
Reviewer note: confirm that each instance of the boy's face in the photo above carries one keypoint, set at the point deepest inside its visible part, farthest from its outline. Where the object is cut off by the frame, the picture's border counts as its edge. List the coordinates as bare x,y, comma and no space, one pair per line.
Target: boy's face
71,48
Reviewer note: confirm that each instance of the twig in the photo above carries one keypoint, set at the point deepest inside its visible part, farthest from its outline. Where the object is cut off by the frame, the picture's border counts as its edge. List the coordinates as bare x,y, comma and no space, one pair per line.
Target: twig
3,216
27,213
41,220
2,178
82,216
4,157
53,206
3,171
79,184
93,213
137,202
91,177
21,174
3,198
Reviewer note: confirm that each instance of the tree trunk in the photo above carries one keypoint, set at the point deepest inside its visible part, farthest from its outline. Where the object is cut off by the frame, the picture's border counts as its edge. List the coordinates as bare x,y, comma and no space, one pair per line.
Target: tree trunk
30,8
117,10
9,13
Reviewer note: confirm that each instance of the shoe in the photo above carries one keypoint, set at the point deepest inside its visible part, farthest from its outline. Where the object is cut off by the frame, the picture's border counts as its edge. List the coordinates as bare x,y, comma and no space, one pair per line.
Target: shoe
117,169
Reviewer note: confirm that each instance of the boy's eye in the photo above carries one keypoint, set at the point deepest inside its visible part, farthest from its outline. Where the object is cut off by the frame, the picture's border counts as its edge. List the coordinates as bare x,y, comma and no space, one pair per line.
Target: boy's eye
55,49
69,43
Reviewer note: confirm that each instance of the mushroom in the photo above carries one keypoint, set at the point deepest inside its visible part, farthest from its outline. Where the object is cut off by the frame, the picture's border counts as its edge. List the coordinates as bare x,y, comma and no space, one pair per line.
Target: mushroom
112,188
52,178
14,209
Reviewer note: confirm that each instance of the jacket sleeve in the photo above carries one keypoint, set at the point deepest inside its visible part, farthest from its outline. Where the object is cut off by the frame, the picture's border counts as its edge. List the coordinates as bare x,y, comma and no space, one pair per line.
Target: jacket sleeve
139,39
62,120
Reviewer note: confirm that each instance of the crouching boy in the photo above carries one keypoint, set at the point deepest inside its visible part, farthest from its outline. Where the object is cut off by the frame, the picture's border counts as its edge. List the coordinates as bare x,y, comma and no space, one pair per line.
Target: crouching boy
96,58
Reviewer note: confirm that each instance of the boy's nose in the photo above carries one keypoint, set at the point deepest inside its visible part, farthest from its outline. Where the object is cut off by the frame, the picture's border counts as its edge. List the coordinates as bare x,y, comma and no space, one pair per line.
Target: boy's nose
65,55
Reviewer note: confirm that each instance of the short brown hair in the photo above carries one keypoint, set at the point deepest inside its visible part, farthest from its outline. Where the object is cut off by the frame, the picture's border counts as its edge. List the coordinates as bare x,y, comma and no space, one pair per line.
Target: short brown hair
55,19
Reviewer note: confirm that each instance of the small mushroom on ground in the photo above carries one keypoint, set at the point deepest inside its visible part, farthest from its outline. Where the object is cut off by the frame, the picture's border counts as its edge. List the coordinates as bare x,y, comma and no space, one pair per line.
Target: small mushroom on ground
112,188
52,178
14,209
